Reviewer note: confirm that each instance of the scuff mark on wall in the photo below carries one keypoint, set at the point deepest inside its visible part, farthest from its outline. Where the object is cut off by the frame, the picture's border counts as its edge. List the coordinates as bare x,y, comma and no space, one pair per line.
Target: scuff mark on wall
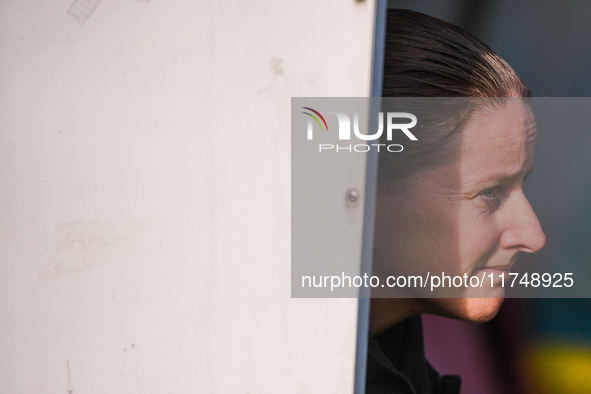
70,387
276,64
81,10
87,244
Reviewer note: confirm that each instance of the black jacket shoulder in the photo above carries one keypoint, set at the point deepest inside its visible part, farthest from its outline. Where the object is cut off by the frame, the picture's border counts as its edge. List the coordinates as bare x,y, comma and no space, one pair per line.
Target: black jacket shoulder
396,363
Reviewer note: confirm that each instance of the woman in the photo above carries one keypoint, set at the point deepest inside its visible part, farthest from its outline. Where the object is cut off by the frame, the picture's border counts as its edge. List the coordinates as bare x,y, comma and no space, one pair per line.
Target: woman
453,202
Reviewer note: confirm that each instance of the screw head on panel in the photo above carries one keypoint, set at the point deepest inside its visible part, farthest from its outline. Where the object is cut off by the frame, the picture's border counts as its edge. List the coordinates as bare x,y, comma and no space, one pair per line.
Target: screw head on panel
352,196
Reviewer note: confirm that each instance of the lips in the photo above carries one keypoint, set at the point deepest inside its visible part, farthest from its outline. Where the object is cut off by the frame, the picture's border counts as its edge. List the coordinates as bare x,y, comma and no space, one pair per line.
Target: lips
504,268
498,270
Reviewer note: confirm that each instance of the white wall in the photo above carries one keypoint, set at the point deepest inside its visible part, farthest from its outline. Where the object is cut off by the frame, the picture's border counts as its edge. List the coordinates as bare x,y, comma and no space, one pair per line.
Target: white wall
145,195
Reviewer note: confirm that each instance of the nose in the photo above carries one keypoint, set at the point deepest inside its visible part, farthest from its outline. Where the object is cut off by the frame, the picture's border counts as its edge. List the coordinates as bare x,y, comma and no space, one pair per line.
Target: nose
523,231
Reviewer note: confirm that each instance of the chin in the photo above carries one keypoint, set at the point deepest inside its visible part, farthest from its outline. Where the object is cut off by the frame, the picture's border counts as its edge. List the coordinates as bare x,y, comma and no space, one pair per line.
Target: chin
477,310
480,310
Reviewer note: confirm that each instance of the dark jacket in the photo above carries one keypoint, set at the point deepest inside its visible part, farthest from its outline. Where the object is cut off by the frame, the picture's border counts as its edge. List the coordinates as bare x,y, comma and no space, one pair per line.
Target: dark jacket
396,363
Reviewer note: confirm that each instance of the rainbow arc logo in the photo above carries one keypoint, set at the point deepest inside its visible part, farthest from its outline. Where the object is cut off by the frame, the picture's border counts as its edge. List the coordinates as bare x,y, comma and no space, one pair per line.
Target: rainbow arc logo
316,119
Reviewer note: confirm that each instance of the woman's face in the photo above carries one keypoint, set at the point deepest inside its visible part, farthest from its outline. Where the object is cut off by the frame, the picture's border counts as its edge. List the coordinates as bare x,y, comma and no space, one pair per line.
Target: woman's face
467,217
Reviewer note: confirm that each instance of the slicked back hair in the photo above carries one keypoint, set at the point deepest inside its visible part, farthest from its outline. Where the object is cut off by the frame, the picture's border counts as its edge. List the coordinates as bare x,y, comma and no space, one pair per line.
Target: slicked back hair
427,57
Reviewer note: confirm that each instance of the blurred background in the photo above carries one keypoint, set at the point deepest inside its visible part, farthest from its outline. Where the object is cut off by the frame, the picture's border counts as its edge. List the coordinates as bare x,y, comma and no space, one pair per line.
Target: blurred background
533,345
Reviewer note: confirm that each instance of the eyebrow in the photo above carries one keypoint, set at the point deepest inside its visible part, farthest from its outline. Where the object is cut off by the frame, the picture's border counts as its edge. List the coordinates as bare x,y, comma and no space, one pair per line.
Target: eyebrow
501,177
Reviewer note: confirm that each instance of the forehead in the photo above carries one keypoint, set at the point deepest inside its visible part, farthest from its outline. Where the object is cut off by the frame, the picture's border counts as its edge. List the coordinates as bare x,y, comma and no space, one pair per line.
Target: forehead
498,139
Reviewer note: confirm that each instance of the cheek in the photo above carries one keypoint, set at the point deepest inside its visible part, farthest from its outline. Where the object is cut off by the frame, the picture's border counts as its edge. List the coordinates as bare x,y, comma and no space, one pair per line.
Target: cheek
416,237
478,238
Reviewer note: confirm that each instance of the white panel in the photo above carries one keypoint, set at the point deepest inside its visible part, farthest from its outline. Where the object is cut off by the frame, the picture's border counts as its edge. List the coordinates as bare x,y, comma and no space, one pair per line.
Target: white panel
145,194
326,227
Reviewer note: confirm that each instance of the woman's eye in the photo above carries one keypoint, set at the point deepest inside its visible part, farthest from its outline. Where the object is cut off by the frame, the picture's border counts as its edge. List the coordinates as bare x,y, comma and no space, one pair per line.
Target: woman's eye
491,197
490,193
